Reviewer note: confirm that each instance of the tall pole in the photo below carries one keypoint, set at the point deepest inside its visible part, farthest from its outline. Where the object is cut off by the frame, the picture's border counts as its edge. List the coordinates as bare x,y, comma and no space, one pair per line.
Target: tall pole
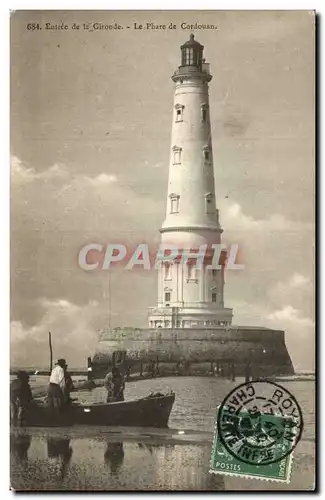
109,299
51,352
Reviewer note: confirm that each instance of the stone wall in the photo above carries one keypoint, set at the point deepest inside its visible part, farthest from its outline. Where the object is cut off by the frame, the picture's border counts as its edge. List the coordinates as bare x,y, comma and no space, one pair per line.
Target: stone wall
262,347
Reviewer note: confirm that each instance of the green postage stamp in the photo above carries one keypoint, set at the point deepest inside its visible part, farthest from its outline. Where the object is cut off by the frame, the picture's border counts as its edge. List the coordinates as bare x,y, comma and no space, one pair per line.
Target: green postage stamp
222,462
258,426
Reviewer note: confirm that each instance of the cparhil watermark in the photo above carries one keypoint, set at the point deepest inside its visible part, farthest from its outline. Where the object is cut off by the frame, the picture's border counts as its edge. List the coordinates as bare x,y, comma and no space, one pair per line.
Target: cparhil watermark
95,256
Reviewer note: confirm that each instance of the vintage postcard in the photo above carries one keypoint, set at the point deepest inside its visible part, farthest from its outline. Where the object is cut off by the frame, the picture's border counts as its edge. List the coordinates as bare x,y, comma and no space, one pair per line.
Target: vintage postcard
162,250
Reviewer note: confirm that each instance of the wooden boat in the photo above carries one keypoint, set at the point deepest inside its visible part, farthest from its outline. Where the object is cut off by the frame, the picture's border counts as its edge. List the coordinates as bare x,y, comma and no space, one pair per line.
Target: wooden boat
151,411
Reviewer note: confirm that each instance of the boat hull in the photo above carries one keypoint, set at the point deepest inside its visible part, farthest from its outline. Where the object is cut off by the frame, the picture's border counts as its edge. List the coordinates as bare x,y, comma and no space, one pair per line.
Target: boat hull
152,411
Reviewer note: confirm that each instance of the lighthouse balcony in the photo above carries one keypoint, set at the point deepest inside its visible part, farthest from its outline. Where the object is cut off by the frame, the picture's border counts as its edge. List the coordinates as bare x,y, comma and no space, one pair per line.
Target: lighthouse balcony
182,306
189,317
193,71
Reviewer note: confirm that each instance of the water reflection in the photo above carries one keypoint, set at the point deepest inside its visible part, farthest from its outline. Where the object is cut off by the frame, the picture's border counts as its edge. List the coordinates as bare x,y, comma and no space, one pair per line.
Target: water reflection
19,446
60,450
92,463
114,456
150,447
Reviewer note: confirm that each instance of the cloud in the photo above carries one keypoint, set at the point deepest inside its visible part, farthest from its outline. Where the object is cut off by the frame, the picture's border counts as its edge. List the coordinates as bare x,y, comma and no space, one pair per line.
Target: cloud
289,313
299,335
53,215
21,174
102,179
294,296
74,333
286,311
68,201
297,283
234,219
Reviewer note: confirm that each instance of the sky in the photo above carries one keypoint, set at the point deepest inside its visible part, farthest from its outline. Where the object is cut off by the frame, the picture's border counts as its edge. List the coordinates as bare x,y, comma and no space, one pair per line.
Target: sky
91,116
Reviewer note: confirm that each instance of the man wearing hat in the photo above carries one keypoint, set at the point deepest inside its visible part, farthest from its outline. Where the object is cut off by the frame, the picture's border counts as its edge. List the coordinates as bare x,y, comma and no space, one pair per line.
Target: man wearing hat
20,397
55,395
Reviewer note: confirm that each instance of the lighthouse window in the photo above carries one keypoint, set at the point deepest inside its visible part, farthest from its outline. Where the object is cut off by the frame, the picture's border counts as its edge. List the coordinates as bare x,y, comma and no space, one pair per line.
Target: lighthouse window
204,113
179,112
206,154
208,201
189,57
191,272
214,297
174,203
167,296
177,155
168,271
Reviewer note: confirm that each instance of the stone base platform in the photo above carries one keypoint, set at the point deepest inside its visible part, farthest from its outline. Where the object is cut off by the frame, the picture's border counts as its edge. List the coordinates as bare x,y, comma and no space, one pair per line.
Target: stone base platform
226,351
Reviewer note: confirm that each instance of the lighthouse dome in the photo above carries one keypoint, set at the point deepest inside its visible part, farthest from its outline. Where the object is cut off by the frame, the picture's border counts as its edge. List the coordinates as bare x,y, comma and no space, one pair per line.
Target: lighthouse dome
192,53
192,43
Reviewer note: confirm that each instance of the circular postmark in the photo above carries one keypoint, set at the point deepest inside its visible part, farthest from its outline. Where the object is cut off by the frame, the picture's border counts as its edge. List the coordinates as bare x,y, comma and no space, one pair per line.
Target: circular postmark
259,422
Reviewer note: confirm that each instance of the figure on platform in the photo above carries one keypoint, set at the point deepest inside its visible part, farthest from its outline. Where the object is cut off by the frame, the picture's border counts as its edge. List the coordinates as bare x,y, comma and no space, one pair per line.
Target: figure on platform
128,372
231,372
248,372
20,397
151,369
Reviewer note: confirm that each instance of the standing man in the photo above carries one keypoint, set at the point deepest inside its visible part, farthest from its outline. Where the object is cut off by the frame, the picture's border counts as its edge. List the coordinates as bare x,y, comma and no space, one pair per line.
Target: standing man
55,395
20,397
115,385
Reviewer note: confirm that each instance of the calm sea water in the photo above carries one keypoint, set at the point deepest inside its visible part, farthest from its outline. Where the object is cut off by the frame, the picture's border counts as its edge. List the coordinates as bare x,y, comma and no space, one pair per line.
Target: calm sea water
140,459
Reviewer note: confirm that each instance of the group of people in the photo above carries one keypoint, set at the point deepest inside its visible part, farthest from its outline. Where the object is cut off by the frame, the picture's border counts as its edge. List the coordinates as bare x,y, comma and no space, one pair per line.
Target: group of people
58,395
59,389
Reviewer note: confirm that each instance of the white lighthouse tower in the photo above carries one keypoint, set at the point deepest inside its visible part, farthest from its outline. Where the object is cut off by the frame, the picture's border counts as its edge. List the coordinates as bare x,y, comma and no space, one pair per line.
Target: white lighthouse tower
190,295
190,328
